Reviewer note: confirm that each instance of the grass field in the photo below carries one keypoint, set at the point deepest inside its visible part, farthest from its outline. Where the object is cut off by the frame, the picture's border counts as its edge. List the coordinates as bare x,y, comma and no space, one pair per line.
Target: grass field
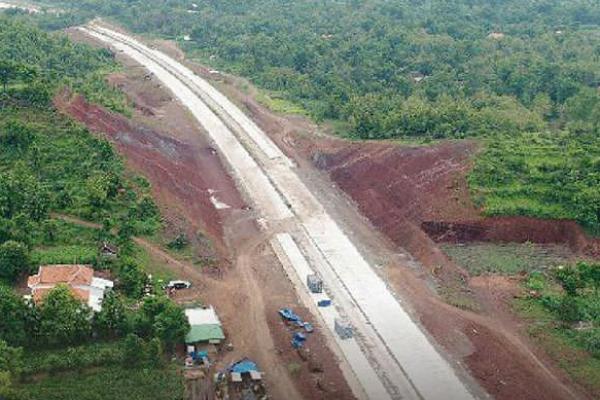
507,258
109,383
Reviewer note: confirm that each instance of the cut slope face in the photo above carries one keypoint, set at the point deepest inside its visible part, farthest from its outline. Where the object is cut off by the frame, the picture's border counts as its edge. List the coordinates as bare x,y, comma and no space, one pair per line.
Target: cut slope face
269,181
427,185
188,173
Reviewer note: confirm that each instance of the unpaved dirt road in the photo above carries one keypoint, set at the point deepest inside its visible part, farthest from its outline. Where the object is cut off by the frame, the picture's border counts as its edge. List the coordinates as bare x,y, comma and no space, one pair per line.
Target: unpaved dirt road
402,358
255,304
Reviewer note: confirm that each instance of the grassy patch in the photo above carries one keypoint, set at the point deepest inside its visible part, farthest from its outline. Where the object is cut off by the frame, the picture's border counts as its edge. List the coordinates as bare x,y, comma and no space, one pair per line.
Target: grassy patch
277,103
153,266
560,344
506,258
545,175
72,254
458,298
109,383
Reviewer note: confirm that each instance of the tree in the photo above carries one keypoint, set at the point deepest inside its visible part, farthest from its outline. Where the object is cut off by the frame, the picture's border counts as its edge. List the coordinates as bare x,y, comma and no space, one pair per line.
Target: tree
568,309
15,321
21,192
50,228
154,353
125,232
11,360
14,260
16,135
138,352
180,242
9,71
162,318
171,325
131,278
112,320
133,350
64,319
590,274
150,309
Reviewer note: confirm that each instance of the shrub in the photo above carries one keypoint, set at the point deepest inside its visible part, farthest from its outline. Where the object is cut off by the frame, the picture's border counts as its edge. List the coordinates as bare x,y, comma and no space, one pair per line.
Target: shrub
591,341
568,310
14,260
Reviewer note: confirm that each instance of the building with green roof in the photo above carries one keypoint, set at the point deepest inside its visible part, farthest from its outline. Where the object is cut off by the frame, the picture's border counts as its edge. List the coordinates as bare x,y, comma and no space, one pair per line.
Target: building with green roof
205,326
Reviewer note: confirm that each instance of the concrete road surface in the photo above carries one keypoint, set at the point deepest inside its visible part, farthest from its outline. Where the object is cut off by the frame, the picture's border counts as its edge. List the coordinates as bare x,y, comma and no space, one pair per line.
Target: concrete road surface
390,356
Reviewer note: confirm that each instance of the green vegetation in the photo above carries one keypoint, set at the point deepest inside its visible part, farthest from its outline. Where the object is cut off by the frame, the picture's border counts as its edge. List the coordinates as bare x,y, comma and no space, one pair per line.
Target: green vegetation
126,369
520,75
59,348
560,302
391,68
33,64
547,175
49,164
121,382
563,307
507,258
134,339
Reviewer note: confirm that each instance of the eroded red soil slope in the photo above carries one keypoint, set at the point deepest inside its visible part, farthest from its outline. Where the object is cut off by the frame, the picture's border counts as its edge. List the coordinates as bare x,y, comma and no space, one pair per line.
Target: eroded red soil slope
427,186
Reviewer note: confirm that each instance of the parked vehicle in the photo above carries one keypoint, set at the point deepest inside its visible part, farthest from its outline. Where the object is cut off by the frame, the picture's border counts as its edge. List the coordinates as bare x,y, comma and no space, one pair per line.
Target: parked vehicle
179,285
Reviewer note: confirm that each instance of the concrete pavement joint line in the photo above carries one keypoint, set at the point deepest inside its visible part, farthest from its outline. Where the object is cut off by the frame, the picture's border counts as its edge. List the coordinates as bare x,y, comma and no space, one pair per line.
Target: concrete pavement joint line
367,338
418,356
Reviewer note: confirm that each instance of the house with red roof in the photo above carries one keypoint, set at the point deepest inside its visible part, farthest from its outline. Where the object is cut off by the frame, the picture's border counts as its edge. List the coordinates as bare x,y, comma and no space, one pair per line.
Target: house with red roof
79,278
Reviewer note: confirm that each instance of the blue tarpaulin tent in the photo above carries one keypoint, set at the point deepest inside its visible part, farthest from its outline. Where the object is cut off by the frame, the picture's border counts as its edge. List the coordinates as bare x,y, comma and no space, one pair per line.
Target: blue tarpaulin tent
243,366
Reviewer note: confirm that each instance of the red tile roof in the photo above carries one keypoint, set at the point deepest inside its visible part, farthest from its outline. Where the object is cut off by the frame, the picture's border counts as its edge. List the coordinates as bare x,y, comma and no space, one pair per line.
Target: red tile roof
49,276
69,274
40,294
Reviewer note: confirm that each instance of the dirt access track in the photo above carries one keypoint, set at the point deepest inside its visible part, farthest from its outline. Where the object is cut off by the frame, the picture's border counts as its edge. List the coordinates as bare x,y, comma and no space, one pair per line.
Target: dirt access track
498,359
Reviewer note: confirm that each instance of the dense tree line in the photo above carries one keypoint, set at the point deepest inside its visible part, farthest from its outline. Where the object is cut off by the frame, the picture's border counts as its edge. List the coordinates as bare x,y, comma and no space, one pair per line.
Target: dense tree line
62,319
33,63
402,68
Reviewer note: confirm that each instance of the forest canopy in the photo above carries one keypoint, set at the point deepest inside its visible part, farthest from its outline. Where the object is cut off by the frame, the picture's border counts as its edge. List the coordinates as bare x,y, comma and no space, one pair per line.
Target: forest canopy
403,68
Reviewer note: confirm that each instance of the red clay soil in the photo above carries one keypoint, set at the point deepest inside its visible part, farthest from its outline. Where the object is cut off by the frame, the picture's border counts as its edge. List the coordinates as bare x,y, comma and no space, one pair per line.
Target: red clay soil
187,173
397,188
514,229
427,185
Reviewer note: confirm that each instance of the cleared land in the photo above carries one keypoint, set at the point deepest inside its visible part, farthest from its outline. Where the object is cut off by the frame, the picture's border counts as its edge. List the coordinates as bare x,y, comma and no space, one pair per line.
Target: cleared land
328,240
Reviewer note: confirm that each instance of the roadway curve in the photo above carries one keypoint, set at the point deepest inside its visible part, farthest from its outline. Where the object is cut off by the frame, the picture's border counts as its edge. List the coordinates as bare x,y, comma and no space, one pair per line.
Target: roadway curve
390,356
